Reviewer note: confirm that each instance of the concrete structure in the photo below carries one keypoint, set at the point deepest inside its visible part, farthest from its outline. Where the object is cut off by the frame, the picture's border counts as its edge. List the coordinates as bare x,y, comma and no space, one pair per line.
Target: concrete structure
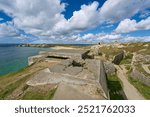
78,73
58,54
118,58
76,92
66,53
103,80
75,76
34,59
109,68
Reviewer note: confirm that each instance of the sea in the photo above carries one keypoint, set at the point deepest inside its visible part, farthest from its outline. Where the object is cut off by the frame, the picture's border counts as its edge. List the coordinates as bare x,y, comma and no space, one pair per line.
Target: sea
13,58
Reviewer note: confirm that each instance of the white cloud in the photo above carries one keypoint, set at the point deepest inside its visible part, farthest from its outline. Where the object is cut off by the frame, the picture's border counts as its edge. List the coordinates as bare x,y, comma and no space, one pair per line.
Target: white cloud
1,19
128,25
34,15
117,10
103,37
145,14
7,30
45,20
87,17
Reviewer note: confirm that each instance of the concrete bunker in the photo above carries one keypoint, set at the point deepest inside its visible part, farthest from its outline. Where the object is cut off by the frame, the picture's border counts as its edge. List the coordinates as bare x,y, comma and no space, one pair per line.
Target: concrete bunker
86,76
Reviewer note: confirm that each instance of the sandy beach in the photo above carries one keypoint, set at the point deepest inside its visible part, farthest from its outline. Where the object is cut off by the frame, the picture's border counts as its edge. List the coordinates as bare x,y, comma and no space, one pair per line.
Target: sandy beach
61,47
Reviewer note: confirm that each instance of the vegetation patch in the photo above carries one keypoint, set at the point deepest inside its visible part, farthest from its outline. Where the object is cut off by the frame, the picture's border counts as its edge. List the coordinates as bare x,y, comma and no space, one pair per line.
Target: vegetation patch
128,67
127,59
147,62
115,88
11,87
38,94
140,69
142,88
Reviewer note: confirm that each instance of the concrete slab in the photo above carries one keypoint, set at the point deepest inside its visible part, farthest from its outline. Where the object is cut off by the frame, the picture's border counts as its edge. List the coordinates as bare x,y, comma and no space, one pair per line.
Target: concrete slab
45,77
66,92
79,73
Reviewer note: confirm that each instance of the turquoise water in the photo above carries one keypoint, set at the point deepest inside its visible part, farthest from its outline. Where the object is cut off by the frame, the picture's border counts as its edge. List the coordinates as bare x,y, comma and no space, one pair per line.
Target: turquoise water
14,58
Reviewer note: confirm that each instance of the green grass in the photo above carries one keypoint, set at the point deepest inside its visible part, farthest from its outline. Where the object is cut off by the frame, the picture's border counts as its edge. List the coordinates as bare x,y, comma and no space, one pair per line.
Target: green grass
10,88
140,69
142,88
147,62
135,47
128,67
115,88
37,95
110,51
127,59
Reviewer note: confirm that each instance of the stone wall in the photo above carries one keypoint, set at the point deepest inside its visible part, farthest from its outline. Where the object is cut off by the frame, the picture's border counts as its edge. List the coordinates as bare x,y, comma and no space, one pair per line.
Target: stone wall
141,77
118,58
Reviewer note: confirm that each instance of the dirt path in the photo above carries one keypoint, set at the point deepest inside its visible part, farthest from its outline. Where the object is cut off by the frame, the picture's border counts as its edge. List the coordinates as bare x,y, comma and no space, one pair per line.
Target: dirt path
130,91
145,67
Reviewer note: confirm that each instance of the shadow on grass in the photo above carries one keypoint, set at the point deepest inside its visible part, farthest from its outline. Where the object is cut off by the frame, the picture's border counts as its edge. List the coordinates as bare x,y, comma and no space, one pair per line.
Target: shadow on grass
115,88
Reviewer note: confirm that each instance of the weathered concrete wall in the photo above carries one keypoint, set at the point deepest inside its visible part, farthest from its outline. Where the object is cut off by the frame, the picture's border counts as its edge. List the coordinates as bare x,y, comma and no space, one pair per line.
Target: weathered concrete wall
141,77
109,68
34,59
118,58
67,53
102,79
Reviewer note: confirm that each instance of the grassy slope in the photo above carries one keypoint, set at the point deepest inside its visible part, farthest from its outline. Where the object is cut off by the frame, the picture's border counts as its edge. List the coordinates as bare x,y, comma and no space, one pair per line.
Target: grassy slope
15,82
39,93
143,89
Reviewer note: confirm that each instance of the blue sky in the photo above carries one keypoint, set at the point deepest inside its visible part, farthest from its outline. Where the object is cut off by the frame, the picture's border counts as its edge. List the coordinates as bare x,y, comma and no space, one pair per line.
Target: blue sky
74,21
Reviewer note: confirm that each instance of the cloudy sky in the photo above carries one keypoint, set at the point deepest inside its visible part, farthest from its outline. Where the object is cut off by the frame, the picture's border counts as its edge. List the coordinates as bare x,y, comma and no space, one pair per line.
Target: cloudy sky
74,21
